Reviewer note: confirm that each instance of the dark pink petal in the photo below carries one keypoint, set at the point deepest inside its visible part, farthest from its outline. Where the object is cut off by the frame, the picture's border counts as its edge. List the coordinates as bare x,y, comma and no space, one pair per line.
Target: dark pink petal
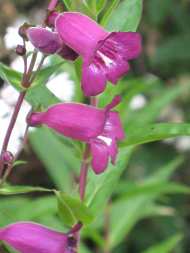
93,80
100,156
117,70
45,41
73,120
29,237
127,44
79,32
113,127
113,150
110,59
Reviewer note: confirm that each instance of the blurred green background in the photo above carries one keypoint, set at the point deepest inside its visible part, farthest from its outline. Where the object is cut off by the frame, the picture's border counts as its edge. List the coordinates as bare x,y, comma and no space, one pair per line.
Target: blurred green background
149,208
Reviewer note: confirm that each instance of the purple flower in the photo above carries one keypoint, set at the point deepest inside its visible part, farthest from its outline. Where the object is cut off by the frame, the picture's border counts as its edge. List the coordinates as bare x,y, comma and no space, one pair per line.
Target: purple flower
49,43
27,237
100,128
105,55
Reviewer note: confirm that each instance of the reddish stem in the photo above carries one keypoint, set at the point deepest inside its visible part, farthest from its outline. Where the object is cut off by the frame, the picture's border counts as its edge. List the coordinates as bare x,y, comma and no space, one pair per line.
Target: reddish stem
11,125
84,172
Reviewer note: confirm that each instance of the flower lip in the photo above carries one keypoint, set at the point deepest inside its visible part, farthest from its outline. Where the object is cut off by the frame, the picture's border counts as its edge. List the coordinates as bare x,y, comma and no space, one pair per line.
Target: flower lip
108,61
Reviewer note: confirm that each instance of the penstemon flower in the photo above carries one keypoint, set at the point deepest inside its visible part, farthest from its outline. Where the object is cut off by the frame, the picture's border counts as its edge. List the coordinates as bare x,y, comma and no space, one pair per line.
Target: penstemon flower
28,237
105,55
49,43
100,128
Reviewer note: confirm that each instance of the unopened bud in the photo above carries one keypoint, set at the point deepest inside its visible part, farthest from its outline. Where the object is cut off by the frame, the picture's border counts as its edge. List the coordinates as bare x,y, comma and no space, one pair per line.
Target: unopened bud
22,31
20,50
7,157
51,17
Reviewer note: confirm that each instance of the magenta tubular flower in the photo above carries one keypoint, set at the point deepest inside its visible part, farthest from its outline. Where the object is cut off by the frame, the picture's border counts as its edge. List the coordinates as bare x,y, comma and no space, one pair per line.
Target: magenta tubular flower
27,237
105,55
100,128
49,42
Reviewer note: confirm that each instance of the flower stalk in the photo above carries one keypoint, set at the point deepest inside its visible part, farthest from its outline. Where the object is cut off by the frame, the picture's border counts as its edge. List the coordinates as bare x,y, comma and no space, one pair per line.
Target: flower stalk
26,82
84,172
10,127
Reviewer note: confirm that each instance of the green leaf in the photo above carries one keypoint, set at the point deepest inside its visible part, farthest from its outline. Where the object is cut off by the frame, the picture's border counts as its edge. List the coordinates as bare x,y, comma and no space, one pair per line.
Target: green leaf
9,249
152,110
136,205
41,97
100,5
72,210
38,95
45,73
155,132
11,190
142,194
126,16
166,246
84,249
164,173
101,187
68,4
11,76
109,12
19,162
36,208
57,157
96,6
148,189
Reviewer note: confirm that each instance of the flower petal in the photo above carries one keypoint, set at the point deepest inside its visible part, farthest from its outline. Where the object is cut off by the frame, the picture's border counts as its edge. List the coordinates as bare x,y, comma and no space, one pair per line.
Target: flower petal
117,69
113,127
127,44
29,237
93,80
113,150
100,156
79,32
77,121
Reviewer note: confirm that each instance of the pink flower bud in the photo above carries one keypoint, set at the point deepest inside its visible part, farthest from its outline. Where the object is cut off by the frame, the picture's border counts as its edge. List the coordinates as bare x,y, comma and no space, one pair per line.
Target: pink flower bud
20,50
49,43
7,157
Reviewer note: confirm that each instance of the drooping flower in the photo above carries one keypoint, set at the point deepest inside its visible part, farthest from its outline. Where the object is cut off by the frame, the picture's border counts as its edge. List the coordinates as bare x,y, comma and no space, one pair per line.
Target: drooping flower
28,237
105,55
100,128
49,42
